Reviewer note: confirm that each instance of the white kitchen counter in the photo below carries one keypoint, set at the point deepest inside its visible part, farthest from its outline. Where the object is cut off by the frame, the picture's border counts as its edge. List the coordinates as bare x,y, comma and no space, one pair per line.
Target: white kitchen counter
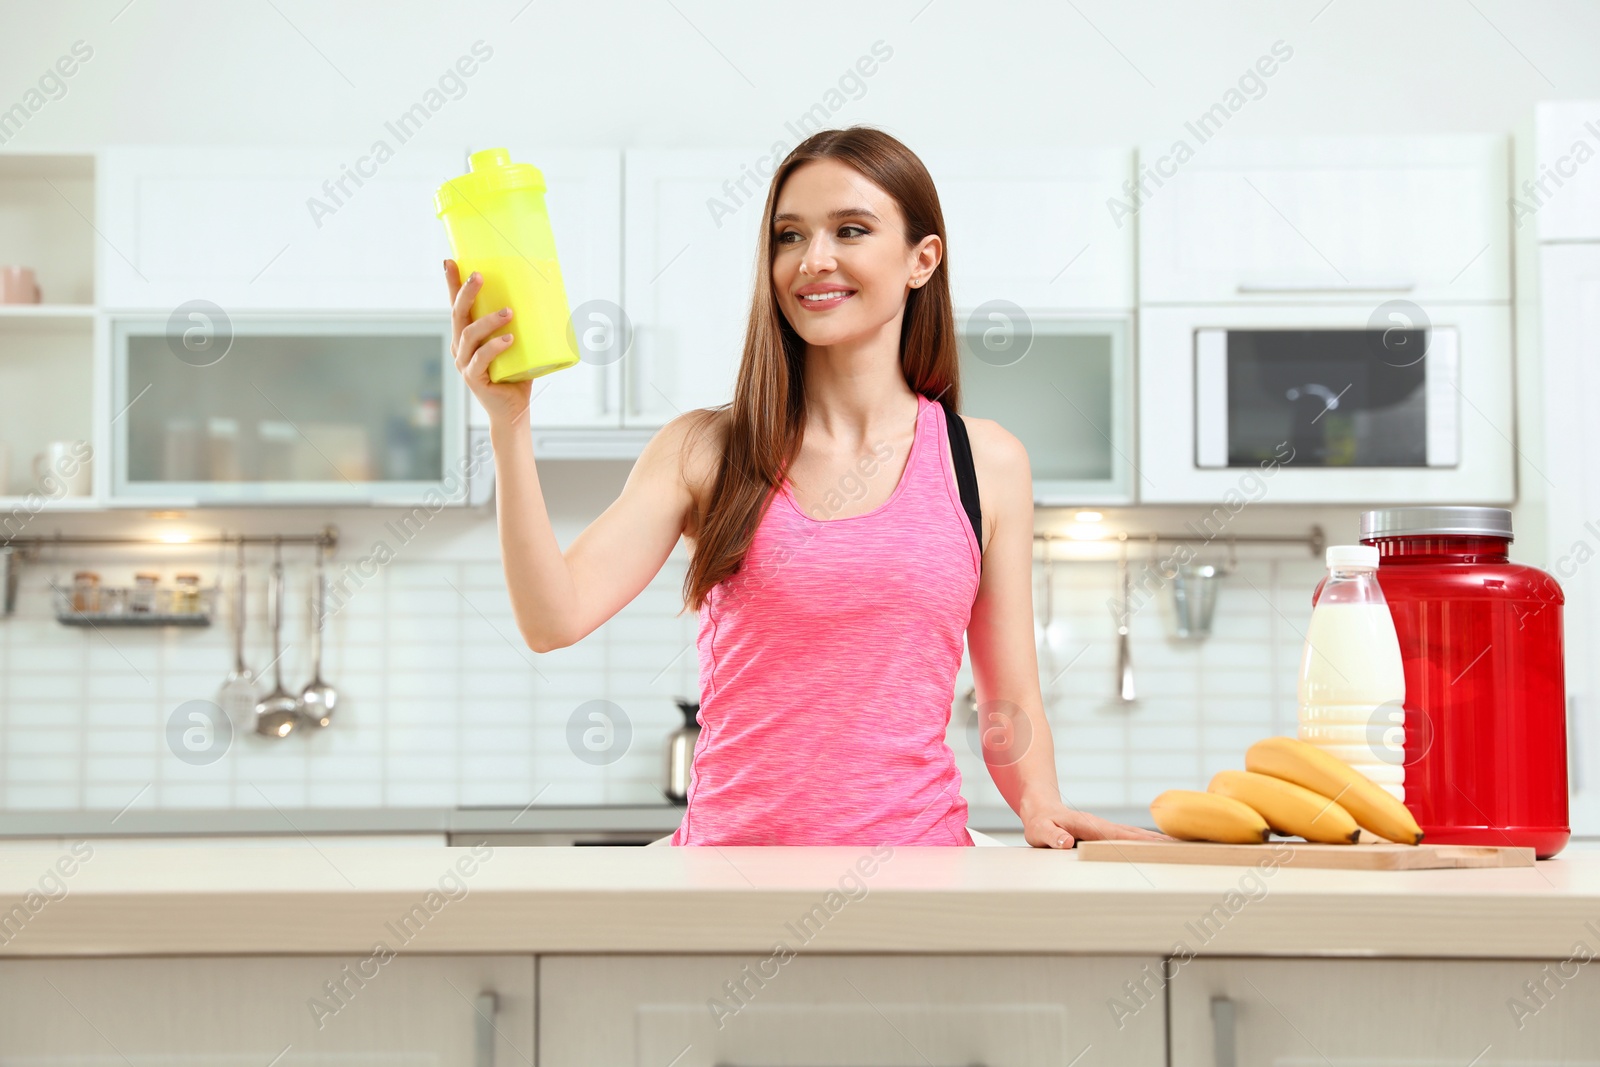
324,899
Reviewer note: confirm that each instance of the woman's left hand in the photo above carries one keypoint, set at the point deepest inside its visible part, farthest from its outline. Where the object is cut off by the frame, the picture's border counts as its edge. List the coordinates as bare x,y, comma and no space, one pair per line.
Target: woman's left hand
1056,826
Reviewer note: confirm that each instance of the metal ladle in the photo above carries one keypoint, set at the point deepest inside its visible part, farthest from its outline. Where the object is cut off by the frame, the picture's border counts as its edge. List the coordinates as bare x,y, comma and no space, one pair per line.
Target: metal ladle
278,711
1125,691
318,698
238,694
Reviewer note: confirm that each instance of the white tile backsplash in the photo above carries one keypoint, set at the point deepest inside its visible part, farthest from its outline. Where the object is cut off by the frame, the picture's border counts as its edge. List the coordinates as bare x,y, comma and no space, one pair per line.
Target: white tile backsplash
443,705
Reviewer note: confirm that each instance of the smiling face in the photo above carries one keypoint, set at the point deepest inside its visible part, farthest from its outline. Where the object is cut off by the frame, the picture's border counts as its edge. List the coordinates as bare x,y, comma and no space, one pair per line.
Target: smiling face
841,267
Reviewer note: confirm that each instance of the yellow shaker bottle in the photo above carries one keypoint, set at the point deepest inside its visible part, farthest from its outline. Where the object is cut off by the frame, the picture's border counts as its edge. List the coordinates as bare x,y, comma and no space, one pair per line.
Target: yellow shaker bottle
497,224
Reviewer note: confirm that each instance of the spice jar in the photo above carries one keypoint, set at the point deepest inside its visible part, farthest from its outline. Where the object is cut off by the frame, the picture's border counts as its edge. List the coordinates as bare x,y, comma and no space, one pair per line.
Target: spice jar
186,598
143,598
85,591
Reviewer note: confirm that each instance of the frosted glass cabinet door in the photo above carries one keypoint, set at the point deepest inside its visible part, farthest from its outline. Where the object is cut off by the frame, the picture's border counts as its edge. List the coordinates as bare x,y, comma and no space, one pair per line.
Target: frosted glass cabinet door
692,221
403,1011
1062,386
217,410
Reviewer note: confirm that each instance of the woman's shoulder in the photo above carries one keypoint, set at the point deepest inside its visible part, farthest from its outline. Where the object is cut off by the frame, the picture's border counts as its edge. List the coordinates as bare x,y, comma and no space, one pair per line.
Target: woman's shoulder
994,445
696,441
1000,461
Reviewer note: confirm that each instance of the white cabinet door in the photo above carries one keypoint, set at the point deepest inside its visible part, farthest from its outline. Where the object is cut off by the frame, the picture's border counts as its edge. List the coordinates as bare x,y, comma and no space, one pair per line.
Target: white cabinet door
1312,219
1422,1013
1569,278
275,228
689,267
391,1008
1563,192
848,1011
583,194
1031,226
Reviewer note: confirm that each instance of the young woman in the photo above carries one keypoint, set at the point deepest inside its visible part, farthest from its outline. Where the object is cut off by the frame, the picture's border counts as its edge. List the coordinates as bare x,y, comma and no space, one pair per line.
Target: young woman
833,567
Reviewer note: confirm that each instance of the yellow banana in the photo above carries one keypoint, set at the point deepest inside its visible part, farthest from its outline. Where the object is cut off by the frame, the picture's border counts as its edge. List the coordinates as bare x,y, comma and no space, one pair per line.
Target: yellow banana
1305,764
1288,808
1195,816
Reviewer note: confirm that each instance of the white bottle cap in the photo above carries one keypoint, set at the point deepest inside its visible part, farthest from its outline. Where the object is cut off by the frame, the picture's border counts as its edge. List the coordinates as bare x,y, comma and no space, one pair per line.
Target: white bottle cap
1352,557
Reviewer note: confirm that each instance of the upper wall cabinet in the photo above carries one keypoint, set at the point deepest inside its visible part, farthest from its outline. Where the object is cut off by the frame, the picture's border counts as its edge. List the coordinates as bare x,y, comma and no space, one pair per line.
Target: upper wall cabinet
299,228
1563,193
693,218
1325,219
1037,227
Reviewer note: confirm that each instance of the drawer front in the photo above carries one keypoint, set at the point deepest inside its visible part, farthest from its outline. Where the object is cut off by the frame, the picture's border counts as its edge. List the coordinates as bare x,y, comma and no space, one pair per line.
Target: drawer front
849,1011
386,1008
1423,1013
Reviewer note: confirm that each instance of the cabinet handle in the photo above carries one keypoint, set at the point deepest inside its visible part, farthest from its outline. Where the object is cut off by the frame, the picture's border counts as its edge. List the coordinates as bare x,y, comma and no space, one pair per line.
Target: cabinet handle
643,338
483,1029
1574,744
1222,1032
1375,286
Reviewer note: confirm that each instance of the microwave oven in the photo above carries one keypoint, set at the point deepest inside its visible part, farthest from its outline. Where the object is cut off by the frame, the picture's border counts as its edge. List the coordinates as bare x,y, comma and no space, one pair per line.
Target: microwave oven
1381,402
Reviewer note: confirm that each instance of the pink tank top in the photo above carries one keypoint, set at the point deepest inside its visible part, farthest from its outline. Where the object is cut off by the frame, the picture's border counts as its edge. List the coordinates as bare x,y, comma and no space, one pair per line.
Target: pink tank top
828,666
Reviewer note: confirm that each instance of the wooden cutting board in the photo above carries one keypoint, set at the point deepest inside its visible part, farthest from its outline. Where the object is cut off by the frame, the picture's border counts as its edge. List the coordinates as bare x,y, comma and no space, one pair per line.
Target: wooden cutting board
1374,857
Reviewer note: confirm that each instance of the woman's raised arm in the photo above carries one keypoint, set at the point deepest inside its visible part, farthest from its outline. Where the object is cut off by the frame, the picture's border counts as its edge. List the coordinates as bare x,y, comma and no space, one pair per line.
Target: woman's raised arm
559,598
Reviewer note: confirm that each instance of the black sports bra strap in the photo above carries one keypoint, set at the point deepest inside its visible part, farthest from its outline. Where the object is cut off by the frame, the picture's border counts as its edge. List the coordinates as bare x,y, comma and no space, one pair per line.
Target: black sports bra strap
966,473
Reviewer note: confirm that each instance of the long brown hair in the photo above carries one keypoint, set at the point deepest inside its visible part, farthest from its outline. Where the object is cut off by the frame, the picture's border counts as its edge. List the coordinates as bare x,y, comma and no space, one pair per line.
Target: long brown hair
762,427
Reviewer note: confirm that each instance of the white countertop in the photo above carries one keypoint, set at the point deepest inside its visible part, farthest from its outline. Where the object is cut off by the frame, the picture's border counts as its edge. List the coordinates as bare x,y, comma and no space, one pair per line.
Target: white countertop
112,900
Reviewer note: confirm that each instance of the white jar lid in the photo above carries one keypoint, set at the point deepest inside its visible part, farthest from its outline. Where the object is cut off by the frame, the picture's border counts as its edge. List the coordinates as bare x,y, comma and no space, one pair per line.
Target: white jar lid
1352,557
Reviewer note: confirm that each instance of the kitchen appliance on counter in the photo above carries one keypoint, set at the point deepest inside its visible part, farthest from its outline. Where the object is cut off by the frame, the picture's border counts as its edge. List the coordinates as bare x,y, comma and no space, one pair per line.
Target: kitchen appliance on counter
1485,708
680,752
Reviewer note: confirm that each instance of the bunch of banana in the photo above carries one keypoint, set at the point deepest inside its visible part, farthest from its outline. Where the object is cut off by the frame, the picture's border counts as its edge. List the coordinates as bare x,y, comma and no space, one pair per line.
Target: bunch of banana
1291,810
1291,788
1368,803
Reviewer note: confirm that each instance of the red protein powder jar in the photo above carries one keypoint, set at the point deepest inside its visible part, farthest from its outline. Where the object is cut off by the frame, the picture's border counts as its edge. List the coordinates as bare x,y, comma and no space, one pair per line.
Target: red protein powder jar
1485,707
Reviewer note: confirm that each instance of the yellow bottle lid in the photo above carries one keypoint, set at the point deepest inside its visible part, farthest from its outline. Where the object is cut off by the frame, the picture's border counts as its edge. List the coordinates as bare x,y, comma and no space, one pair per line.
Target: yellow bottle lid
490,171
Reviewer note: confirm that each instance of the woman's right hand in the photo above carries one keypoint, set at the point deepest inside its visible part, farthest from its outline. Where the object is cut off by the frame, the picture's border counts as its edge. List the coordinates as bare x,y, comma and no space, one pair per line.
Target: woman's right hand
473,348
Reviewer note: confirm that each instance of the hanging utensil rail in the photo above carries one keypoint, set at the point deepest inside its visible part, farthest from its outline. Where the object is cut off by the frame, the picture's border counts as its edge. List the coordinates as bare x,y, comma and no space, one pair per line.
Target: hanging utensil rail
1315,539
17,551
327,537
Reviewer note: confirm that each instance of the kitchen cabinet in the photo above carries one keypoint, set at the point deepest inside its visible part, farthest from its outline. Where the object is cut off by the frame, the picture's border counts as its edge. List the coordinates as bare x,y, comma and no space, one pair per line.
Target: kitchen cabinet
286,409
1563,193
689,265
384,1006
274,228
1569,281
1031,227
846,1011
1234,1011
1064,386
1563,200
47,208
1315,219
